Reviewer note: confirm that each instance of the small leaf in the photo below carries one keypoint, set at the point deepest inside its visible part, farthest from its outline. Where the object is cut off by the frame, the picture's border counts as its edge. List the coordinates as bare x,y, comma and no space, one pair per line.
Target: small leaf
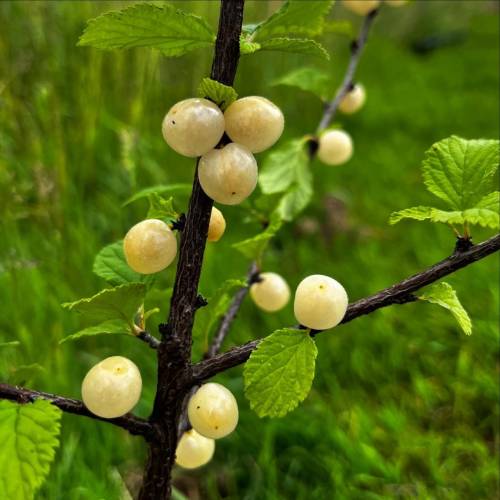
295,17
221,94
119,303
339,27
29,434
12,343
305,47
445,296
111,327
161,208
298,197
279,373
461,171
181,189
308,79
171,31
253,248
247,46
111,265
150,313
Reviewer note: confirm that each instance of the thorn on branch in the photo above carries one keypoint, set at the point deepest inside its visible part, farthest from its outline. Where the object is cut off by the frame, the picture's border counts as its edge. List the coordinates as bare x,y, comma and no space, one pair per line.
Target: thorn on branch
200,301
463,244
179,223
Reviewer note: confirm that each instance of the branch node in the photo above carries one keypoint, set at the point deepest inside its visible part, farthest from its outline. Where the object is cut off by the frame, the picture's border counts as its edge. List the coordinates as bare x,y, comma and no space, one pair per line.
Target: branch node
463,244
179,223
200,301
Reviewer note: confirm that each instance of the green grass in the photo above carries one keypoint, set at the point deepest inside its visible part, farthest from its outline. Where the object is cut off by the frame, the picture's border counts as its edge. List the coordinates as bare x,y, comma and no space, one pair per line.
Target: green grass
403,405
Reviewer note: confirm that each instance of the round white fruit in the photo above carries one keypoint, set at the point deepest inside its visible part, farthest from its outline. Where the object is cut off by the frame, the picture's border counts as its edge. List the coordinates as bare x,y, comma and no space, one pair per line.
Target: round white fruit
228,175
320,302
112,387
150,246
271,293
353,100
255,122
194,450
193,127
335,147
217,225
361,7
213,411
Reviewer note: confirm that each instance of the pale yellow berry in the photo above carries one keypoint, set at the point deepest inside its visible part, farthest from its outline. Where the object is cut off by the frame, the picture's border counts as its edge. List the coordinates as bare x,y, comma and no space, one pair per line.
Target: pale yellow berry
361,7
320,302
213,411
255,122
271,293
353,100
335,147
193,127
396,3
228,175
217,225
194,450
112,387
150,246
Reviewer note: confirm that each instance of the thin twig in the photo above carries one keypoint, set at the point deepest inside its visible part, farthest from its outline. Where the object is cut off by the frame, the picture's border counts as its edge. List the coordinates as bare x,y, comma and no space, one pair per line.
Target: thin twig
356,51
151,340
400,293
131,423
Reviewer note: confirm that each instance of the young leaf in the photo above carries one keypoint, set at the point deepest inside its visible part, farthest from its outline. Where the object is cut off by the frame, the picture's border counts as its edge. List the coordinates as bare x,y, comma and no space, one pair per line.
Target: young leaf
305,46
119,303
282,167
180,189
461,171
308,79
111,327
445,296
161,208
171,31
279,373
221,94
253,248
247,46
29,434
110,264
295,17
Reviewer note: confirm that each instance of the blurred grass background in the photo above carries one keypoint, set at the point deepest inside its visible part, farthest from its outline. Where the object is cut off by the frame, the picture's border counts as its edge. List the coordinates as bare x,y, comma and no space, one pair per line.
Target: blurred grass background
404,405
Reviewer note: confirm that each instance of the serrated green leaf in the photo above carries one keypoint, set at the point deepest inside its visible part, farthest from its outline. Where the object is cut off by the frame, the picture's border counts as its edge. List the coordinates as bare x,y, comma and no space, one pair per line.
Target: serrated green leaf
119,303
161,208
298,197
111,327
308,79
339,27
253,248
221,94
295,17
12,343
460,171
29,434
247,46
283,166
165,28
181,189
111,265
279,373
303,46
21,375
445,296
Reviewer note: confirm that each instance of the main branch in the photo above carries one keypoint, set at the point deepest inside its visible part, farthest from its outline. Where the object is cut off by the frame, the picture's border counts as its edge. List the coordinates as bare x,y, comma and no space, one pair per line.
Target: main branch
400,293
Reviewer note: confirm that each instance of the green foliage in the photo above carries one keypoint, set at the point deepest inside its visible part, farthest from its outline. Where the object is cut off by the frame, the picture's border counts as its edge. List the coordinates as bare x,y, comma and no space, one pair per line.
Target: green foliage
12,343
179,188
445,296
23,374
247,46
460,172
111,265
110,327
161,208
171,31
29,434
118,303
308,79
222,95
254,247
295,45
279,373
295,17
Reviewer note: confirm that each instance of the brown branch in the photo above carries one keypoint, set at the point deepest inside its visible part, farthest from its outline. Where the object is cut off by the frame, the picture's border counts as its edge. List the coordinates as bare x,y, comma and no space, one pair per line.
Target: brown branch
134,425
231,313
149,339
400,293
357,47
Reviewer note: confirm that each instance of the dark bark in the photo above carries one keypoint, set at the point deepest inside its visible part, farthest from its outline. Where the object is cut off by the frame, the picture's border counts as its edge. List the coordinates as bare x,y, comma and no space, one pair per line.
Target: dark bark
400,293
174,352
